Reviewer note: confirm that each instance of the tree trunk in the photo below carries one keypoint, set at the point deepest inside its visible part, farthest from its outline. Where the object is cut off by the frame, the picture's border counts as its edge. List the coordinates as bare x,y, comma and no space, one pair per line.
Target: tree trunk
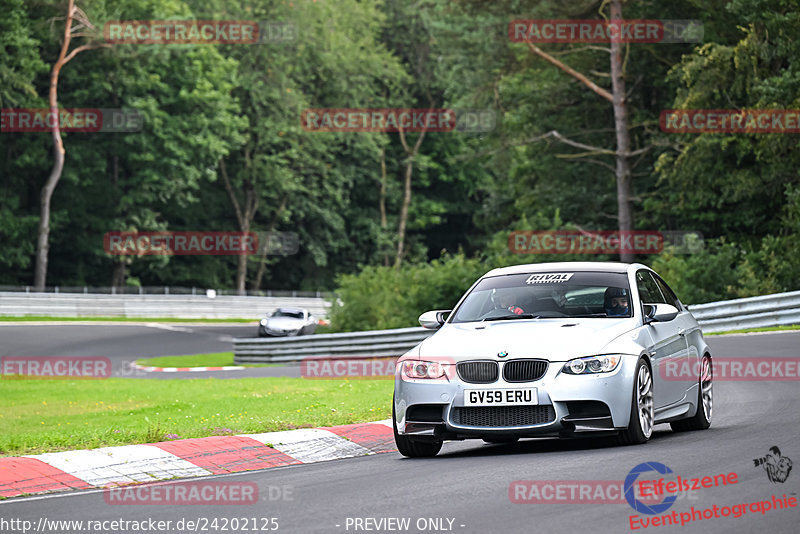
262,265
623,169
244,217
401,225
382,202
118,278
43,241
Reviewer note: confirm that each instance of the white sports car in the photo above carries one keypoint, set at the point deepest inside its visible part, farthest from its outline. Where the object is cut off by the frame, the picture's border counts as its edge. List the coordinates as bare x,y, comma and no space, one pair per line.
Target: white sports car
288,322
554,349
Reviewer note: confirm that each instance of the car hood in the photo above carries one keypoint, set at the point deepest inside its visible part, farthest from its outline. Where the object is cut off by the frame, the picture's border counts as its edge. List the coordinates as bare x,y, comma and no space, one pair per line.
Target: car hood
550,339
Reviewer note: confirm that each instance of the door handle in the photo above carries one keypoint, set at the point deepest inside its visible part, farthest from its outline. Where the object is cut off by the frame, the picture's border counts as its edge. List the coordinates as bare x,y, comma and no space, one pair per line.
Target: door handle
682,332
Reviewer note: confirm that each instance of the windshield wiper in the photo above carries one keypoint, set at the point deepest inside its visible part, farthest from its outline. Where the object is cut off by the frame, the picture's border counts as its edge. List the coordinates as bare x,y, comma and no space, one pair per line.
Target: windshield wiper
590,315
514,316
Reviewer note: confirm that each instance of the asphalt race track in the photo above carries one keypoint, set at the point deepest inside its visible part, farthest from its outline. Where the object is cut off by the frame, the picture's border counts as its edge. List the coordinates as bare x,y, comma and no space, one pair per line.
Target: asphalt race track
120,341
124,343
468,483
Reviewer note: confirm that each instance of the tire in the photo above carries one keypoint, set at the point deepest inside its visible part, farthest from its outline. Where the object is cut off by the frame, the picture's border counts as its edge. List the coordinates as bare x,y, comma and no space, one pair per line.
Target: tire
705,401
414,448
640,428
498,441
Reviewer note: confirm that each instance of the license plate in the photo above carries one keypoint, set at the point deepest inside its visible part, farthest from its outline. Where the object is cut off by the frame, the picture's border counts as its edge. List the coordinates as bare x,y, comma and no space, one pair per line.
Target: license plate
500,397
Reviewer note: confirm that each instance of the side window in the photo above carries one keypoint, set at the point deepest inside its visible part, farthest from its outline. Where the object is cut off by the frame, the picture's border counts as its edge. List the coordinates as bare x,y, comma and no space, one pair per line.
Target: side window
648,290
668,293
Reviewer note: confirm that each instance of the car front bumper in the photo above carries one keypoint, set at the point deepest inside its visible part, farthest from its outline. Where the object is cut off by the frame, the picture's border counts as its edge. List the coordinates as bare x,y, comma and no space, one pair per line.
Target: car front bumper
567,404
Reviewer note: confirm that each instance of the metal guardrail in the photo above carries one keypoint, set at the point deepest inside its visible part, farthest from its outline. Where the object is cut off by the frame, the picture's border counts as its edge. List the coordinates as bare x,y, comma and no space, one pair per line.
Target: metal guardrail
752,312
183,306
166,290
371,344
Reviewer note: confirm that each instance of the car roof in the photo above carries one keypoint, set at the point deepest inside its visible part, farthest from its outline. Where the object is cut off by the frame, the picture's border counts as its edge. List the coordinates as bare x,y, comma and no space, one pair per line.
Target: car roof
561,266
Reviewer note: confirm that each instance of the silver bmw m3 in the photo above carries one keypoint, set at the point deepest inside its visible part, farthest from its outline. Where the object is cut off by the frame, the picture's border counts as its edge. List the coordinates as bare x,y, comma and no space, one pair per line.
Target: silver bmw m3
554,349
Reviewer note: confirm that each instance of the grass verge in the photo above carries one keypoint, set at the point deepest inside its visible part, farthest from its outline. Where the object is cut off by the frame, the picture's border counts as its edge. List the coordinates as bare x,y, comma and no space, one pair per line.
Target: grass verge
51,415
749,330
215,359
50,318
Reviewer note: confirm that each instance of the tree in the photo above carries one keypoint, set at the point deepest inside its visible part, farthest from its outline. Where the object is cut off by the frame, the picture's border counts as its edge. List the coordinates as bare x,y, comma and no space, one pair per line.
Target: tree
618,98
83,28
284,174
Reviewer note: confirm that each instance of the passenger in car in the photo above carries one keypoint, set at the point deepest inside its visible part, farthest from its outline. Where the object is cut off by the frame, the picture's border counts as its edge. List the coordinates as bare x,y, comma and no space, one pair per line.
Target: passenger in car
616,302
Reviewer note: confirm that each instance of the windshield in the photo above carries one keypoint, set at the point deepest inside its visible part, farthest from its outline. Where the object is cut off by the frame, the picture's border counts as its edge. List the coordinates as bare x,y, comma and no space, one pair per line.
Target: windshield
542,295
292,314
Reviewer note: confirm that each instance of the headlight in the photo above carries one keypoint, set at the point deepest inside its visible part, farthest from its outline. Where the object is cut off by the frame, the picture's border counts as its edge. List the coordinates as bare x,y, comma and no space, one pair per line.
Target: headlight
604,363
420,369
263,322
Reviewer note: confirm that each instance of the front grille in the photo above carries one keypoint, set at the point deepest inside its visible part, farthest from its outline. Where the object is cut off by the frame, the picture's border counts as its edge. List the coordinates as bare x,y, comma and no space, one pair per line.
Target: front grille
494,416
524,370
479,372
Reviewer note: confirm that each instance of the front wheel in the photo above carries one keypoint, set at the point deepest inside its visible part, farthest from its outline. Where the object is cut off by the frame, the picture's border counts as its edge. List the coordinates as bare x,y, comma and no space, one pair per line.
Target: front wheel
705,401
640,427
414,447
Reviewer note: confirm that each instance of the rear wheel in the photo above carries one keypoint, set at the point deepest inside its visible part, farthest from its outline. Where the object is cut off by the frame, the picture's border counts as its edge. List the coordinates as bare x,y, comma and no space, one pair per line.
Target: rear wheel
640,427
705,401
414,447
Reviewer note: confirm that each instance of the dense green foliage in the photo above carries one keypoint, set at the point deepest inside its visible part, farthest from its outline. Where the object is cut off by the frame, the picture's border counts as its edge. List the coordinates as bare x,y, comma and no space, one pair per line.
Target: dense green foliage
238,106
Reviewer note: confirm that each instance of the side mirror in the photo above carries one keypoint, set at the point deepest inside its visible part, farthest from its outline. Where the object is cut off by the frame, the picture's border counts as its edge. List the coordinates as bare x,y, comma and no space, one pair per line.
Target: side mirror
661,313
433,319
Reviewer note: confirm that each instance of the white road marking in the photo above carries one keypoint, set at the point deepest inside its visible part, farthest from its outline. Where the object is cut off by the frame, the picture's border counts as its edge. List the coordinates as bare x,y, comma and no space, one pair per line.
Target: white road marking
121,465
311,445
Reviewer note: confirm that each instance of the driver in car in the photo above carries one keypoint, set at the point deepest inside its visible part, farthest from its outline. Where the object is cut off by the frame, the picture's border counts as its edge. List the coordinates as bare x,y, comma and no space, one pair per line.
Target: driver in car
505,300
616,302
